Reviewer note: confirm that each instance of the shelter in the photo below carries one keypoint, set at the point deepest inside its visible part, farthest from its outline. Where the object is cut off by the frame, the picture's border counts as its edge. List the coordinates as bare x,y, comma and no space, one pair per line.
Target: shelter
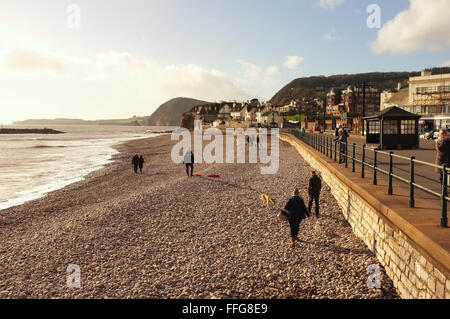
393,128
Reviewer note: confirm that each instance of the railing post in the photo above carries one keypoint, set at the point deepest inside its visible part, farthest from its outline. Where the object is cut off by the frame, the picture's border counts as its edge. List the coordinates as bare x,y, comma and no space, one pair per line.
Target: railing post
327,139
331,147
346,154
444,220
323,144
375,155
391,172
363,164
411,183
354,158
322,149
335,150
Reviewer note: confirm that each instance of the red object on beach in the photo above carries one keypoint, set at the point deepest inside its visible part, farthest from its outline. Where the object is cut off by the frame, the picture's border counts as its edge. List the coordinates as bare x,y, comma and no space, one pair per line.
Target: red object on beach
214,176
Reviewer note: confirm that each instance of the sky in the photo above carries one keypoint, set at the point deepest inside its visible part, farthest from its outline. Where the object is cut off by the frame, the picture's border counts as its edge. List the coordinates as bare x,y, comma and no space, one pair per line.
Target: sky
105,59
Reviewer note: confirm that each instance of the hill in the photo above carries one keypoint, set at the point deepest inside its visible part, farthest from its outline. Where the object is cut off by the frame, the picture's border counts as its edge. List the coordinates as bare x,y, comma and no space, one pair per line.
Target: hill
317,86
170,113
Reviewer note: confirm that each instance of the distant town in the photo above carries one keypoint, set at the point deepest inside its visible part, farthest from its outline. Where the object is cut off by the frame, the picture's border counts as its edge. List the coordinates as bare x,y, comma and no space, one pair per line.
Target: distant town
427,95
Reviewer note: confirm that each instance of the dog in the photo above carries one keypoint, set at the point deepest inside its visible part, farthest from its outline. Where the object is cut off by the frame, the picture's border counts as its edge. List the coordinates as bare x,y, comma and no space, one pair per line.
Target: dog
266,199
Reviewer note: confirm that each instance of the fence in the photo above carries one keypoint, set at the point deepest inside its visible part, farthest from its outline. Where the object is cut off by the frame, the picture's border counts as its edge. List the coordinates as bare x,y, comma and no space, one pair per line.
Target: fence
369,158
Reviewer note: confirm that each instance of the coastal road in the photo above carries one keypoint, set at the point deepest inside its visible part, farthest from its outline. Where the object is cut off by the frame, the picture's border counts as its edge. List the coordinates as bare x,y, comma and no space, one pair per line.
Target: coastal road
165,235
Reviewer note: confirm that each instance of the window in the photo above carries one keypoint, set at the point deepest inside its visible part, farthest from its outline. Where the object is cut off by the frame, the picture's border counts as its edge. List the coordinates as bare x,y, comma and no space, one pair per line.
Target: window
390,127
408,127
374,127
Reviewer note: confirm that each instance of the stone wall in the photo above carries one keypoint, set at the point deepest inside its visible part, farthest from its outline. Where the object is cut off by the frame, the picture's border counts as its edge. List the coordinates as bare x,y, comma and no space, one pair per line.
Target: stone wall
414,273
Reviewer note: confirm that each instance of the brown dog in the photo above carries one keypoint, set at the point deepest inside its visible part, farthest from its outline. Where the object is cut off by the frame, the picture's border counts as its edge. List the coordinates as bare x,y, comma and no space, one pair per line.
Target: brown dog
266,199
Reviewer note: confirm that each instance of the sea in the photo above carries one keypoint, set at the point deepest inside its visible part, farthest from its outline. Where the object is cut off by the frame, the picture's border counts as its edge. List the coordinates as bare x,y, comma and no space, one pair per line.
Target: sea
32,165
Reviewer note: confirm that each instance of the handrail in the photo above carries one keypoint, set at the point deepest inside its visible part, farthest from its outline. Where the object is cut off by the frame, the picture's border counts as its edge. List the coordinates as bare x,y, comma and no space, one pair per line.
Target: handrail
345,152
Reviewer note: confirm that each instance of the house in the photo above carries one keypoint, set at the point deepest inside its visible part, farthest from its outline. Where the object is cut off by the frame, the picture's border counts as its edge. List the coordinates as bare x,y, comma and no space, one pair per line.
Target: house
352,98
207,113
333,98
249,113
236,111
224,112
262,114
275,118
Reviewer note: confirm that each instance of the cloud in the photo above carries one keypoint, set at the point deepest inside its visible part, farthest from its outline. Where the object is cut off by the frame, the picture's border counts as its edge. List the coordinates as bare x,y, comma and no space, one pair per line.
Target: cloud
446,63
329,4
250,70
21,59
423,26
272,70
264,79
331,36
253,71
292,62
107,85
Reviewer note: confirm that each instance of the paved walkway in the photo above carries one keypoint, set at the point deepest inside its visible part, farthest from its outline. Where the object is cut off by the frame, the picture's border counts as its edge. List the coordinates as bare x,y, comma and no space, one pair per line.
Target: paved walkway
425,176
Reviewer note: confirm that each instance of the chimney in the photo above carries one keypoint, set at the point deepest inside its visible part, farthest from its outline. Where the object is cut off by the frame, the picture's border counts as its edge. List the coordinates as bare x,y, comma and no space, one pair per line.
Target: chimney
426,73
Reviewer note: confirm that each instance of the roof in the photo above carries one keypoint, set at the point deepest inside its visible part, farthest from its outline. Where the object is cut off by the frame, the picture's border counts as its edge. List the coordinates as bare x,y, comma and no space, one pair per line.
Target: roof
400,98
393,112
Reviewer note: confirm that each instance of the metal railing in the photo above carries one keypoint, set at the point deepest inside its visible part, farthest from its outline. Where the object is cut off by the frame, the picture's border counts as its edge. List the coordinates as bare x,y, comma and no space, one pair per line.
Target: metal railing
330,147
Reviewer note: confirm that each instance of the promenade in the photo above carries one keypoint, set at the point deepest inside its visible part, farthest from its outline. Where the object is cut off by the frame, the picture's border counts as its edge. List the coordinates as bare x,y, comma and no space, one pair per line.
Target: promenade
425,176
409,241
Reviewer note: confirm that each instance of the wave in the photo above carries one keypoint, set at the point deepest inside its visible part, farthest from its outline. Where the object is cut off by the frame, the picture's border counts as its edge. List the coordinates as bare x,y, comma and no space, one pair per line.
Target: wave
102,157
48,146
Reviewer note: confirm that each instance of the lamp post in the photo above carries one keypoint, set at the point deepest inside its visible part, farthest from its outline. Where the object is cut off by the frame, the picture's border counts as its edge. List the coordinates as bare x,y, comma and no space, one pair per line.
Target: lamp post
363,108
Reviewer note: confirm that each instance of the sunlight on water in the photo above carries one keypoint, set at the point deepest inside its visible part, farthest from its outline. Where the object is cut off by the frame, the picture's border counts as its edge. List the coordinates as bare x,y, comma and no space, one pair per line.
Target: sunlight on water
32,165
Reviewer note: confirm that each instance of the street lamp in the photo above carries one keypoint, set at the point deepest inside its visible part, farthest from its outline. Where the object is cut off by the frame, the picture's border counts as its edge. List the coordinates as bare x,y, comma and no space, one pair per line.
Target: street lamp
363,108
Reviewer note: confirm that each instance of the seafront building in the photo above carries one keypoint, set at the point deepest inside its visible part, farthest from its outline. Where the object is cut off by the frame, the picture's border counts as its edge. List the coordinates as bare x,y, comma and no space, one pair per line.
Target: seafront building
427,95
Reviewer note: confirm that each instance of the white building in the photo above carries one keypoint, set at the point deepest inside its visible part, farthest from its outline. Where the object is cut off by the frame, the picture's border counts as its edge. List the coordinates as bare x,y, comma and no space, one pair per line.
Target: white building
429,95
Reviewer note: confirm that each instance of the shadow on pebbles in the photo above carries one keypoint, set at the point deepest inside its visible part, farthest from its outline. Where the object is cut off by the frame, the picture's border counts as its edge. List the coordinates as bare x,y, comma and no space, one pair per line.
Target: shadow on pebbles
165,235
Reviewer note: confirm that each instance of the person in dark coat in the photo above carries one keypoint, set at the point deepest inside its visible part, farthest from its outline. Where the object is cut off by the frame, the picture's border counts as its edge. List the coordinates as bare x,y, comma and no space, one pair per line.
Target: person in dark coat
342,139
442,151
141,163
297,211
189,162
135,163
315,186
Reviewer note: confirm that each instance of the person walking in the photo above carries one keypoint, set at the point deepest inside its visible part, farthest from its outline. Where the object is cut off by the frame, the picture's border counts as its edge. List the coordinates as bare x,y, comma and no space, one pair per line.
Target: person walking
141,163
342,139
442,152
189,162
135,163
315,186
296,210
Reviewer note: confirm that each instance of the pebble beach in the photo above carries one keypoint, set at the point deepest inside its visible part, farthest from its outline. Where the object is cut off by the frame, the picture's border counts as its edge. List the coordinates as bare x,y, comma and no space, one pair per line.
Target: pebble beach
165,235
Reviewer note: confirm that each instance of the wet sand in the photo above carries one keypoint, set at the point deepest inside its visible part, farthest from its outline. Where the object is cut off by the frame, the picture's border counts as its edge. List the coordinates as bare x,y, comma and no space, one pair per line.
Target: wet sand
164,235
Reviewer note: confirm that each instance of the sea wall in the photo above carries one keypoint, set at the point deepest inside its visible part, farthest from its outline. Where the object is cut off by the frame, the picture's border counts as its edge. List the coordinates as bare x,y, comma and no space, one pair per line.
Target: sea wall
415,272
